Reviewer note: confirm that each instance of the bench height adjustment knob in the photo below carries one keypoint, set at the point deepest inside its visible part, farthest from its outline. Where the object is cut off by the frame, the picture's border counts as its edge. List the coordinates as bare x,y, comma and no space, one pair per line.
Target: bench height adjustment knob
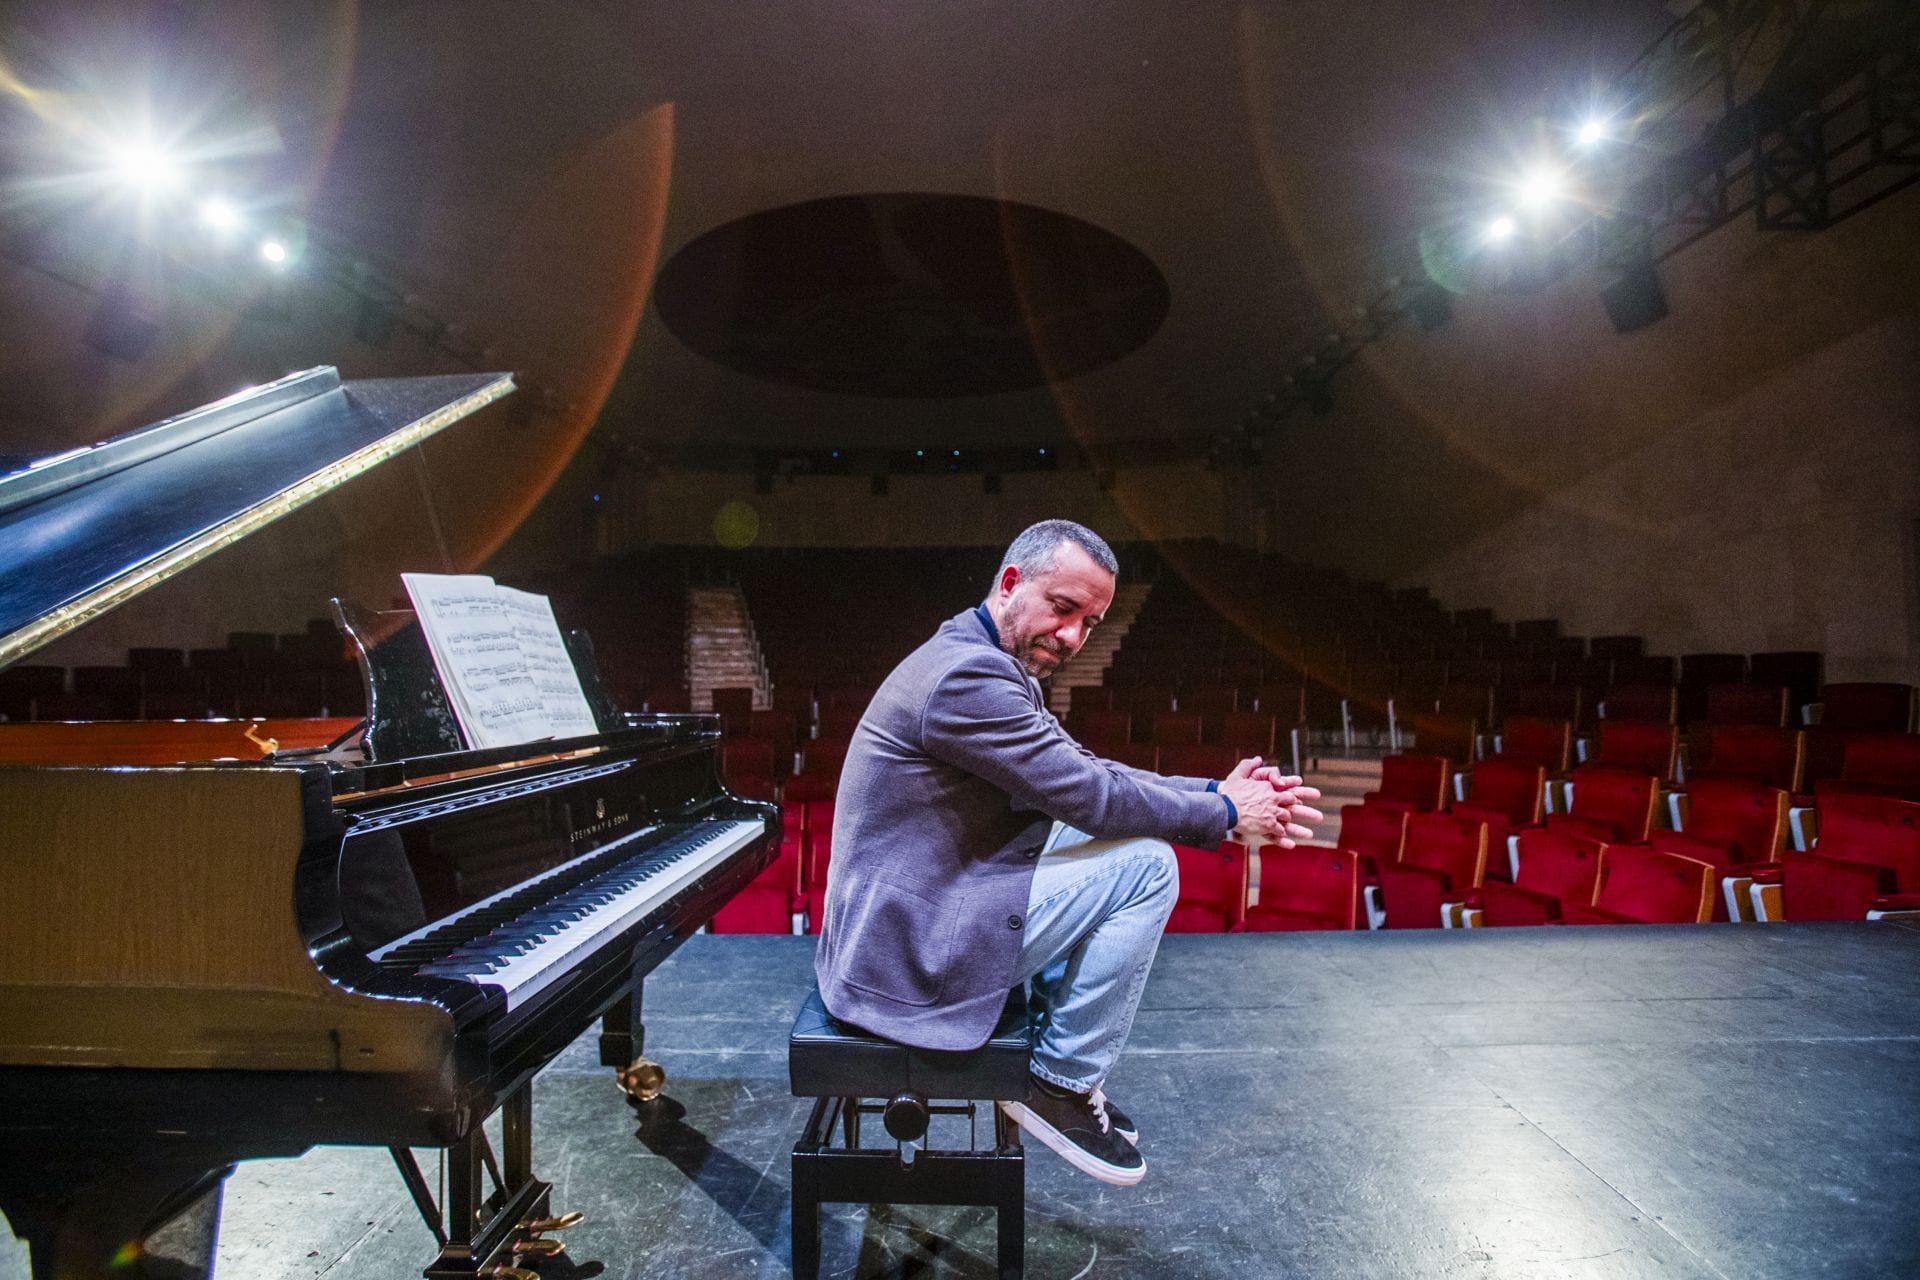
906,1117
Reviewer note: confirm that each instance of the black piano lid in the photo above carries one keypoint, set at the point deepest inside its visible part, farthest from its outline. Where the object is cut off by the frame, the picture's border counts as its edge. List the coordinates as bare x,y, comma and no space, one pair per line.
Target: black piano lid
83,532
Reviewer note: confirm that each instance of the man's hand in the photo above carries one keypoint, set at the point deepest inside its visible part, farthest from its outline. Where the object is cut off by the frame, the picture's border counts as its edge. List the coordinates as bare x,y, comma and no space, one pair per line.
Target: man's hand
1280,817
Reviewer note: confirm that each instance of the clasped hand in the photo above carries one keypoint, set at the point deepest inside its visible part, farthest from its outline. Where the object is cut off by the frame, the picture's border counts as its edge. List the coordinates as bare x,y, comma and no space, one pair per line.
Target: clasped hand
1274,807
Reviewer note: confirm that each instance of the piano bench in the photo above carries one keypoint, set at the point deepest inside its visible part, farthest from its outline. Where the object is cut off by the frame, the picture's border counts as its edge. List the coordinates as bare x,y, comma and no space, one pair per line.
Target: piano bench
852,1074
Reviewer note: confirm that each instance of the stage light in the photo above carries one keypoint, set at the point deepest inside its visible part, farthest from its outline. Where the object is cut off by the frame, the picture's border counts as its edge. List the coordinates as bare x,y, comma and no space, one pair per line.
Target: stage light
144,167
1501,228
273,251
1593,130
219,213
1538,188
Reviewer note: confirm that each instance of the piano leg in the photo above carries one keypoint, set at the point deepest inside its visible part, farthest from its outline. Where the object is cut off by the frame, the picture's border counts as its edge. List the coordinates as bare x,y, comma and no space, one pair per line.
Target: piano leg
485,1232
623,1042
146,1220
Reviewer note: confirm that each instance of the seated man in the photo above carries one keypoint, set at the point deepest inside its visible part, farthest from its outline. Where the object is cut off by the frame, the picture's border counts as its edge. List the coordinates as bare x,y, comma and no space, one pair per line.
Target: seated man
976,846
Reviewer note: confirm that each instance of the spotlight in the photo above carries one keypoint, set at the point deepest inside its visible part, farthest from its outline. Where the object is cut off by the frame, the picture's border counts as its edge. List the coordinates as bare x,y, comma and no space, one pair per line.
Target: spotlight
1593,131
219,213
273,251
1501,228
145,167
1541,187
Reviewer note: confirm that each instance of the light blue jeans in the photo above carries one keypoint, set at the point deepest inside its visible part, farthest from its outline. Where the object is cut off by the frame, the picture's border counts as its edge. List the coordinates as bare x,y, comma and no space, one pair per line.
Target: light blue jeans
1094,919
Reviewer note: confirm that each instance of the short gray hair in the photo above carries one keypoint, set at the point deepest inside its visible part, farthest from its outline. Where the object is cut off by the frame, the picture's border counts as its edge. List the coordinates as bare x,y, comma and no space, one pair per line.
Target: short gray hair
1034,550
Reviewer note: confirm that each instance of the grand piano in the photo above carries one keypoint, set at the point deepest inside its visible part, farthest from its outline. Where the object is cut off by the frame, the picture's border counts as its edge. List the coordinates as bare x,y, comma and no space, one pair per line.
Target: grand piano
223,941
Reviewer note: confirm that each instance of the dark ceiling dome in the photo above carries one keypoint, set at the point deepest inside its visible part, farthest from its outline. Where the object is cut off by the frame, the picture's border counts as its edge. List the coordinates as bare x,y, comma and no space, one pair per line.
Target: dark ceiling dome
911,294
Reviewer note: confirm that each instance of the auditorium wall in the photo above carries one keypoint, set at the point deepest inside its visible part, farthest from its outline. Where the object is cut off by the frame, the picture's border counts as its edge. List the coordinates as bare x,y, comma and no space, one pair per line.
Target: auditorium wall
1741,475
694,507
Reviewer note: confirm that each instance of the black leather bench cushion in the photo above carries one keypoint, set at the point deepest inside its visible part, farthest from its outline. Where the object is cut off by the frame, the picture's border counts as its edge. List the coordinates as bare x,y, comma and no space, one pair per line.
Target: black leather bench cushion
829,1059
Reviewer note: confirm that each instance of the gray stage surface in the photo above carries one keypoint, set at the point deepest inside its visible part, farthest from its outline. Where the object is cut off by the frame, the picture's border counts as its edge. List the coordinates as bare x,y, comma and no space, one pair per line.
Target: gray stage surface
1729,1101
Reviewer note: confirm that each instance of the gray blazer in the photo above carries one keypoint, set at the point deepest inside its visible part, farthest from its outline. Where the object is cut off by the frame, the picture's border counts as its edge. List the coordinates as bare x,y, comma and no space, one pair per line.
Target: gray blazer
950,786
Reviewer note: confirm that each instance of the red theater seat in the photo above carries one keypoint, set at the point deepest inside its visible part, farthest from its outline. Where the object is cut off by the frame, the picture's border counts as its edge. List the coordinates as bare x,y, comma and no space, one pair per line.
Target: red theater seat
1868,707
1748,704
1444,858
1417,784
1376,833
1212,701
1770,757
1648,745
1089,697
1886,764
1656,703
1610,805
1640,886
1176,727
1249,733
1869,847
1107,726
1557,869
1735,825
1530,740
1188,760
1507,795
734,706
1306,889
768,902
840,722
1213,889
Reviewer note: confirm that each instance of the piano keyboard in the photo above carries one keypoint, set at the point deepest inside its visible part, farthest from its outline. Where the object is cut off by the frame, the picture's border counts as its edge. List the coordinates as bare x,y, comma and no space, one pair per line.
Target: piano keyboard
525,938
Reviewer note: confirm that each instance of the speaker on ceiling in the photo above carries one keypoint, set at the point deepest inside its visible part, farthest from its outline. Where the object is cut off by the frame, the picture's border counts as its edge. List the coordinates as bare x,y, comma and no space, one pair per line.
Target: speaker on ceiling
1635,300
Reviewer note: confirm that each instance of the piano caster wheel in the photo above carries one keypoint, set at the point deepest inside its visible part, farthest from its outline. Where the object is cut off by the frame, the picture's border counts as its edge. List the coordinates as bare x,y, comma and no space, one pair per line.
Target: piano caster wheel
642,1078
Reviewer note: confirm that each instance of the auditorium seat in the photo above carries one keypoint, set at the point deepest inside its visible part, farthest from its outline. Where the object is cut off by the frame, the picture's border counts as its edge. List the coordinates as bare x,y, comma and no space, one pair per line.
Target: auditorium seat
1212,701
1800,670
117,689
1638,745
1466,701
1640,886
816,856
1531,740
1286,702
1642,668
1452,737
1174,728
1699,672
1868,707
1367,702
1146,701
819,775
795,699
1213,889
1249,733
734,706
1867,859
769,901
1546,702
1747,704
1770,757
1736,826
1194,760
1139,755
1508,796
1089,697
1656,703
21,686
747,764
1557,869
781,730
1444,858
1106,726
1885,764
1376,833
840,722
1306,889
1415,783
1609,804
668,697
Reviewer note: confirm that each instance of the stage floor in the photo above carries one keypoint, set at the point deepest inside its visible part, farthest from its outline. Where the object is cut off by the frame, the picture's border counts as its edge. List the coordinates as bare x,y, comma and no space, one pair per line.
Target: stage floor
1731,1102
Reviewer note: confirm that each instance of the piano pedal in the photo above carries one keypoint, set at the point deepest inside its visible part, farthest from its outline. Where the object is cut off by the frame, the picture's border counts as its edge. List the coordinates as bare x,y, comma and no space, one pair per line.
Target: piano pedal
501,1271
540,1225
643,1078
539,1247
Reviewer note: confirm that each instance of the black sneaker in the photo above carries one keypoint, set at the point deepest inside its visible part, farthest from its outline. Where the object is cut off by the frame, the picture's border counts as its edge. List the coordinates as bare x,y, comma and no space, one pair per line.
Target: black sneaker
1078,1128
1121,1122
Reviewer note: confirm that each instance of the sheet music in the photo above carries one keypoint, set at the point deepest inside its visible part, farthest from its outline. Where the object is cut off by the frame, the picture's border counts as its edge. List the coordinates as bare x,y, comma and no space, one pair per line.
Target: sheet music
548,662
475,650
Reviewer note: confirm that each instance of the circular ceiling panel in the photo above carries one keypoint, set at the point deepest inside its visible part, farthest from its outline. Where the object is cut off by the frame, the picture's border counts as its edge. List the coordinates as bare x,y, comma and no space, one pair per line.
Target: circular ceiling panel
911,294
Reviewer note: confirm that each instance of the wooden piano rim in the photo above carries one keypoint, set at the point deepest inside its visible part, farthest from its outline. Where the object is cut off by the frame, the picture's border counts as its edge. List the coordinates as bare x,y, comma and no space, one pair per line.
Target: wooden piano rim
135,743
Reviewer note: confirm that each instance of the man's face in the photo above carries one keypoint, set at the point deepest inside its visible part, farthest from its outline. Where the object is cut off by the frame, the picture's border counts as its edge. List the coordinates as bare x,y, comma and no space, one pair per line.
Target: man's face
1043,620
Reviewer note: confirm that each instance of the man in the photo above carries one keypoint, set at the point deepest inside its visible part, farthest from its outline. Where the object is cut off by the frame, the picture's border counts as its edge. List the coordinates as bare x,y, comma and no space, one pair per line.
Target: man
976,846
